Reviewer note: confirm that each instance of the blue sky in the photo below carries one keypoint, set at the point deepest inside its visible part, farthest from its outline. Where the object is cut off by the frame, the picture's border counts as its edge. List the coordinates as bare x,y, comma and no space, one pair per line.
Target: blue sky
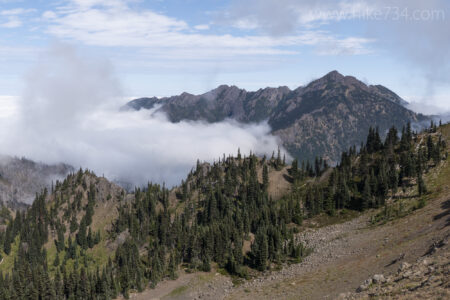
161,48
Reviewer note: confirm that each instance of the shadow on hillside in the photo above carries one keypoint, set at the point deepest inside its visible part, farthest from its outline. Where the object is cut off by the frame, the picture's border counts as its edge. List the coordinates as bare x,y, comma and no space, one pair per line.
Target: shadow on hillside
396,260
288,178
406,196
446,206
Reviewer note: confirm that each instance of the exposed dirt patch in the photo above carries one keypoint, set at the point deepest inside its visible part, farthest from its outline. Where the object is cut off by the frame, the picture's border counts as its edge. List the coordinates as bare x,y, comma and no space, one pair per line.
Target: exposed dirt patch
279,183
189,286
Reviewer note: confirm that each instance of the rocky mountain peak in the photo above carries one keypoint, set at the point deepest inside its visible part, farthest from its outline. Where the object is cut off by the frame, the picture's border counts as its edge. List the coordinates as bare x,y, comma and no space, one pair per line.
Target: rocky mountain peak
328,115
323,82
334,75
221,91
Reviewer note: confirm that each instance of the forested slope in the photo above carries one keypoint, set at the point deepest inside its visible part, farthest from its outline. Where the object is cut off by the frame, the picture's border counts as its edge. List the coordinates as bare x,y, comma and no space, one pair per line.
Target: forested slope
88,239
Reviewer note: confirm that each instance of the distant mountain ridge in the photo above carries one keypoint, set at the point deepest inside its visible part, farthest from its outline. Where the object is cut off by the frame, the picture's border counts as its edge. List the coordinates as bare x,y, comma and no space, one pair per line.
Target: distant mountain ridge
21,179
322,118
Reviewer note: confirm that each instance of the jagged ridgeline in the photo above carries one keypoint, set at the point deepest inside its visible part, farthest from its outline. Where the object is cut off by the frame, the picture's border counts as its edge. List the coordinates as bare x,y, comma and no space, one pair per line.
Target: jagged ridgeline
89,239
323,118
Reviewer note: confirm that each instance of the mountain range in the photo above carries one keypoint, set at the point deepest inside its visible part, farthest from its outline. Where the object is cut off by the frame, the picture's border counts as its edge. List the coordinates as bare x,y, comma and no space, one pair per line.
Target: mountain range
21,179
323,118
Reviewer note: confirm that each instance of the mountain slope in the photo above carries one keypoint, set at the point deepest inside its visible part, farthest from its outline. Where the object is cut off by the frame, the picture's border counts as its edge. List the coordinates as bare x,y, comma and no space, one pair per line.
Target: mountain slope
21,179
359,259
323,118
92,239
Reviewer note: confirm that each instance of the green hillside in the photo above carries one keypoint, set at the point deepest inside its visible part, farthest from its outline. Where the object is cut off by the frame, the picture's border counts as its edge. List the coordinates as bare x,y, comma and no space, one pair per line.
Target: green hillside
89,239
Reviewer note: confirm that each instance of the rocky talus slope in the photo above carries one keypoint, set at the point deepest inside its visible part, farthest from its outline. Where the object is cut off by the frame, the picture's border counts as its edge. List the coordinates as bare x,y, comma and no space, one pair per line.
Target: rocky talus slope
427,278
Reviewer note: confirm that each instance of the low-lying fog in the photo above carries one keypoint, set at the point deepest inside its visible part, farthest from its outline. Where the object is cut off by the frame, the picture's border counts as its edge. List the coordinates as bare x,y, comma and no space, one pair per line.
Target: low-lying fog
69,112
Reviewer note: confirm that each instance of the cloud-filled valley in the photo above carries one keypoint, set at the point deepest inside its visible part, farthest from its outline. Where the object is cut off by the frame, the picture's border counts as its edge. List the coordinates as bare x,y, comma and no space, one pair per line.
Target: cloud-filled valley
69,112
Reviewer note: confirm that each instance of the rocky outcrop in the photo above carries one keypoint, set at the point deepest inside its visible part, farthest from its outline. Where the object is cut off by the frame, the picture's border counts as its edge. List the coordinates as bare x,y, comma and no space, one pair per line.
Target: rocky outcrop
323,118
426,278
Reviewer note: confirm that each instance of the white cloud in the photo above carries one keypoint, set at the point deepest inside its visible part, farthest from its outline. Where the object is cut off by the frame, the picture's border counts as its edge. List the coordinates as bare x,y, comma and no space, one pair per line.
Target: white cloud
281,18
69,113
104,23
12,22
17,53
15,11
101,3
327,11
49,15
202,27
12,16
245,24
346,46
428,109
8,105
438,104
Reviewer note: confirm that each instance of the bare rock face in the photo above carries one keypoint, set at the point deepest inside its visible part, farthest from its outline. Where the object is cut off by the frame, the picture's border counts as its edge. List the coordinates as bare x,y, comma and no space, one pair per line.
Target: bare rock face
378,278
120,239
365,286
323,118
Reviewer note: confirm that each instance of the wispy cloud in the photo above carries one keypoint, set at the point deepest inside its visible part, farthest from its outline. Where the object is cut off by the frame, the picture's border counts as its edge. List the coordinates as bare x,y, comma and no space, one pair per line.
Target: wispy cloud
248,36
202,27
15,11
12,17
114,23
287,16
66,115
12,22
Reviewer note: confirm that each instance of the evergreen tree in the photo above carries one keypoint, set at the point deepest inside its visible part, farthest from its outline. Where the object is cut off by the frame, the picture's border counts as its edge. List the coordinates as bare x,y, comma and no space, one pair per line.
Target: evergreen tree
56,261
294,168
260,250
81,235
73,224
367,195
90,239
265,176
421,187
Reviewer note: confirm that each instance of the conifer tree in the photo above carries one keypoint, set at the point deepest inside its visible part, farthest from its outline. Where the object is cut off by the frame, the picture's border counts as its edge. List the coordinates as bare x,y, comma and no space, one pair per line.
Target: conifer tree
73,224
421,187
294,168
56,261
367,195
265,176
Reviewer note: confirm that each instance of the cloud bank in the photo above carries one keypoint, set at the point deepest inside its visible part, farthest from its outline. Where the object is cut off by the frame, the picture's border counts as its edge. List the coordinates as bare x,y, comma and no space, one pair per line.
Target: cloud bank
69,113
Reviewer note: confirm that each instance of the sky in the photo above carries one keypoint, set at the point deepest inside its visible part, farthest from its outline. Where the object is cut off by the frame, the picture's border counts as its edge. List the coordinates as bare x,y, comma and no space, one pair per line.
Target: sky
165,47
66,67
